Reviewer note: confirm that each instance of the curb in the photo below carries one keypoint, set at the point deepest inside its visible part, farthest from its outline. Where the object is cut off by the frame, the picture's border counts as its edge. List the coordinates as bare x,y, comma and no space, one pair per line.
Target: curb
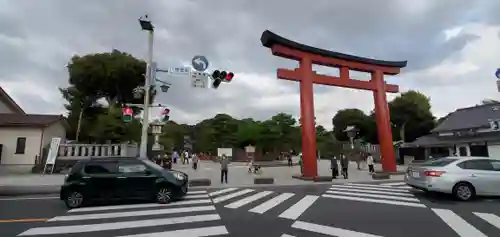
12,191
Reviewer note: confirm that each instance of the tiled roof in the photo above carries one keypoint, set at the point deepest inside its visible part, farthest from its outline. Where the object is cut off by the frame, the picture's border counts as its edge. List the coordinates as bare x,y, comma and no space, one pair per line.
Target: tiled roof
468,118
28,120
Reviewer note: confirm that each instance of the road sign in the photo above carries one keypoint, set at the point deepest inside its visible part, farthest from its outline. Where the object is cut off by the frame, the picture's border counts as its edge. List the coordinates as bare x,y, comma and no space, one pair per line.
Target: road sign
497,73
179,70
199,79
200,63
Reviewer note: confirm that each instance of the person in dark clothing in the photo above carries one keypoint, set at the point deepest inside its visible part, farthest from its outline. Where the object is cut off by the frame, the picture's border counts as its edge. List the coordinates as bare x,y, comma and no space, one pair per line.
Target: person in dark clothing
334,167
289,157
224,165
344,162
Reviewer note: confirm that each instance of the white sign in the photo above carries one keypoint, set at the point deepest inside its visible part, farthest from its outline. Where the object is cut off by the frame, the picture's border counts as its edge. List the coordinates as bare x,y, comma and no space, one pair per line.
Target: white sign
225,151
495,125
179,71
53,150
199,80
250,149
156,147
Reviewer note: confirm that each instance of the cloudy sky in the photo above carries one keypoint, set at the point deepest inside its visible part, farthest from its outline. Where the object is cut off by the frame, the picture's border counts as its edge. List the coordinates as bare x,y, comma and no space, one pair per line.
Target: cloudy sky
452,48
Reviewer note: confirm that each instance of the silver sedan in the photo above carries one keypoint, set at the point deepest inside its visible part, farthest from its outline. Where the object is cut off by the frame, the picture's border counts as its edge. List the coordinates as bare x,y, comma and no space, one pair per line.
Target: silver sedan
463,177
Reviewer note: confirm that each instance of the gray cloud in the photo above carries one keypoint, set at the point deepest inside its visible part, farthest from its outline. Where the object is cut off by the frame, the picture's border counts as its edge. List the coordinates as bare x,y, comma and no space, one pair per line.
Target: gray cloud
39,37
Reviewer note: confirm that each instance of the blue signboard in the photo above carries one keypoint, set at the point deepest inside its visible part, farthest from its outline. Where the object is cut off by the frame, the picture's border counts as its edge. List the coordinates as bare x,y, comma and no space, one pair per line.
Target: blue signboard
200,63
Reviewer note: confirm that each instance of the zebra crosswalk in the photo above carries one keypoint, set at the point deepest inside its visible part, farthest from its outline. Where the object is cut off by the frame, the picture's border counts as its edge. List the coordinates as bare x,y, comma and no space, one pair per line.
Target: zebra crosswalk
261,202
464,228
374,193
195,215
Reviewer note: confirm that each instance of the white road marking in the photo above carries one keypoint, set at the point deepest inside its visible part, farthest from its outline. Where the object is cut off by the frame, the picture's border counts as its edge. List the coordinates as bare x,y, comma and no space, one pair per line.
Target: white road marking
373,191
232,195
298,208
393,184
457,224
146,205
27,198
287,235
196,196
409,204
194,232
197,192
397,187
69,229
222,191
409,199
493,219
269,204
131,213
371,188
328,230
247,200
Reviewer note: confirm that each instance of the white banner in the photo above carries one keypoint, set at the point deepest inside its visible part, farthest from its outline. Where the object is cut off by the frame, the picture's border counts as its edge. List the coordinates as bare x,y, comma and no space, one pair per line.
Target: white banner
53,151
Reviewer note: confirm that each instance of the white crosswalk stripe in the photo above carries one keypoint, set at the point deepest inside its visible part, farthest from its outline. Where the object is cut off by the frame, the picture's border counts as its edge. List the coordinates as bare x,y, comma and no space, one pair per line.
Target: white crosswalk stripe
373,193
463,228
328,230
263,201
196,210
396,184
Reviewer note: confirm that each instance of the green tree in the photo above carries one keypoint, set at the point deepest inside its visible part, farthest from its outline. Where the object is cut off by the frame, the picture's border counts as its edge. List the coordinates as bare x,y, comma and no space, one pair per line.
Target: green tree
411,116
109,76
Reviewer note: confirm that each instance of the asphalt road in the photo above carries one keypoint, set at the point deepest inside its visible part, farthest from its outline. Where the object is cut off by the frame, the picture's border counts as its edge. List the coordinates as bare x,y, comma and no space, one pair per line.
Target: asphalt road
309,210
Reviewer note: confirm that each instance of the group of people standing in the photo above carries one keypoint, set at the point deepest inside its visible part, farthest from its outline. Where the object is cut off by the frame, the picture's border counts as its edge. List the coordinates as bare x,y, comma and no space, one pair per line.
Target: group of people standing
185,157
344,165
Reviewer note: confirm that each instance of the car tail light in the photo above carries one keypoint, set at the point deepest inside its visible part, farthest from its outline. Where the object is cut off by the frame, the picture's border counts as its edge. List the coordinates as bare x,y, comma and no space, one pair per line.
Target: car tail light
434,173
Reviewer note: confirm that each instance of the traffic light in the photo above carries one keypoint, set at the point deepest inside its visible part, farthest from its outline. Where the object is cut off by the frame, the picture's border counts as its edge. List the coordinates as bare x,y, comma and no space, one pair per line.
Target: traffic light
221,76
165,114
127,114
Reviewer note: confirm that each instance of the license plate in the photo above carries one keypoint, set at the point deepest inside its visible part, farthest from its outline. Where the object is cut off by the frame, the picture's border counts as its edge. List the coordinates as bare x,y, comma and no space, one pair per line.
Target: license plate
415,174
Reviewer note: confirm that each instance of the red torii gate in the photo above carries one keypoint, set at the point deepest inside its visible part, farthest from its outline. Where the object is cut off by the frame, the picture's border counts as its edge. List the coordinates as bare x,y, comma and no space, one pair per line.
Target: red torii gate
307,56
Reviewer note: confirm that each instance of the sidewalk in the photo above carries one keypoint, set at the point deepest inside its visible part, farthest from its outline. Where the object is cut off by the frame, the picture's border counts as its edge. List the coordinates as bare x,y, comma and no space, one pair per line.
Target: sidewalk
30,184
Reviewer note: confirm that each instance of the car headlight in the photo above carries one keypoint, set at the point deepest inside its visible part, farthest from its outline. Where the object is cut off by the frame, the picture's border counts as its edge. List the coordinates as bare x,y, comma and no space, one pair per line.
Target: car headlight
179,176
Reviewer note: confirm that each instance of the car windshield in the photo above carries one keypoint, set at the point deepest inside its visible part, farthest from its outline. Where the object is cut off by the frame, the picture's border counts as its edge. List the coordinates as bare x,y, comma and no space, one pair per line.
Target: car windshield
439,162
152,165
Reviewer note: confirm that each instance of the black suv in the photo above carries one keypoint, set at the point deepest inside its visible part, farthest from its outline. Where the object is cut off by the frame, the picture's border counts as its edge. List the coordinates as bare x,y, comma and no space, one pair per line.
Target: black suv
121,178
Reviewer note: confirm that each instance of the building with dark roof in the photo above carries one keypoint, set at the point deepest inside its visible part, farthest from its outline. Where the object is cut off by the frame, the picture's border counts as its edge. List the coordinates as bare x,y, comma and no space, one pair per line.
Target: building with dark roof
23,136
468,131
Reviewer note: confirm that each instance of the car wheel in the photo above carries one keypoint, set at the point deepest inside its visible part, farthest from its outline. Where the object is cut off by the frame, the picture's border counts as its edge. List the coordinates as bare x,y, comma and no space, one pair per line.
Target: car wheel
74,199
464,191
163,195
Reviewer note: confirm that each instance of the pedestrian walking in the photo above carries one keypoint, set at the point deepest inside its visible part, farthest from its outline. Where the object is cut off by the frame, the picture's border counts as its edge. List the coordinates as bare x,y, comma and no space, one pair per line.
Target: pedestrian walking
195,160
289,157
175,156
250,165
344,162
335,167
224,163
301,164
370,163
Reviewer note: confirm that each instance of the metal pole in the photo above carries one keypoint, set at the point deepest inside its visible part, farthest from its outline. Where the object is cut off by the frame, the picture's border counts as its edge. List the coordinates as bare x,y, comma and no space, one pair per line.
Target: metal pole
145,120
79,124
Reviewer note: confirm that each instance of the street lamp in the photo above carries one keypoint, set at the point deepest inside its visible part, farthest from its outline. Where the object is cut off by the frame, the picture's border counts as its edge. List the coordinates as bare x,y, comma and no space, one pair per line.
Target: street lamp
351,131
147,26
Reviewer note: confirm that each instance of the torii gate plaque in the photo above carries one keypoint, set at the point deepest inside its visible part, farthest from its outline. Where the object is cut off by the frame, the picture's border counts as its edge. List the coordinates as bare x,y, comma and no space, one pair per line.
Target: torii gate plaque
307,56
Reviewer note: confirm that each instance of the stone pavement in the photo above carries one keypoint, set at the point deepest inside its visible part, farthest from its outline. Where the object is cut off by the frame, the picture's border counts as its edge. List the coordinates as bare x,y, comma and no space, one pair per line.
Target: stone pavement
238,176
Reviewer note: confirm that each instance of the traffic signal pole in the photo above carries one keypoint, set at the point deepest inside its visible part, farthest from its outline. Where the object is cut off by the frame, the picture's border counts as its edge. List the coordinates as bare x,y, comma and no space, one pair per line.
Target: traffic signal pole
143,150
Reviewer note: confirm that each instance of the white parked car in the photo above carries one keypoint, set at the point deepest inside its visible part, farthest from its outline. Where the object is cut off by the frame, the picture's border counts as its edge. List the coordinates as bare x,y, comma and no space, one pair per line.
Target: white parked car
463,177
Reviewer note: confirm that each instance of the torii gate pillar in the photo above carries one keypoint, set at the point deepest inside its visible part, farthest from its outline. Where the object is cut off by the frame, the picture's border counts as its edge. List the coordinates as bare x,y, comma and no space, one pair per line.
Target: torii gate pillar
307,56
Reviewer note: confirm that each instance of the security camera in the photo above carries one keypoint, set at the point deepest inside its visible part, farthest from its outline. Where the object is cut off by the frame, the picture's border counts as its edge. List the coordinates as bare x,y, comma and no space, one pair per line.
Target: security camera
164,88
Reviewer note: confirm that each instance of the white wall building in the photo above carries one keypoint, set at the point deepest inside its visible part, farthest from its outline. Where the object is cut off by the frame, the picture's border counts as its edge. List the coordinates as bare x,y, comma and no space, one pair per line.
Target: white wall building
23,137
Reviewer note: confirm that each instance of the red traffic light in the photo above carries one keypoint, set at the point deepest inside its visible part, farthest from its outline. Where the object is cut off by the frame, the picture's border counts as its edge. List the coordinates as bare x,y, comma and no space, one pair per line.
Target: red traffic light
229,76
165,112
127,111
